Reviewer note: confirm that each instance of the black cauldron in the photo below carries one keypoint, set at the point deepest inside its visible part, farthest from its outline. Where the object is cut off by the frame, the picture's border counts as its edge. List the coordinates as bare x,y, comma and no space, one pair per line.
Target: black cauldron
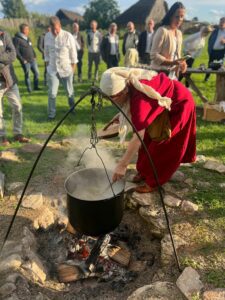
93,209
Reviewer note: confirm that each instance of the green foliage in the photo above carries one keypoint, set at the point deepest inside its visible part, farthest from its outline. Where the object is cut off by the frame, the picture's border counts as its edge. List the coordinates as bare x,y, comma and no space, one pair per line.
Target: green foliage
14,9
103,11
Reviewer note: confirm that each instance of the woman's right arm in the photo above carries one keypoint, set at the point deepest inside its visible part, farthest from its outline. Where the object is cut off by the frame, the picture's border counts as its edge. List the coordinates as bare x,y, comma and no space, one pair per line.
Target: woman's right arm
157,45
132,149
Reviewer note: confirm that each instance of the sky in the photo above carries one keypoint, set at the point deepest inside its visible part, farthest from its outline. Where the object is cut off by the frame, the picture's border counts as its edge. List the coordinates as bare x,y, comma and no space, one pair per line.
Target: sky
205,10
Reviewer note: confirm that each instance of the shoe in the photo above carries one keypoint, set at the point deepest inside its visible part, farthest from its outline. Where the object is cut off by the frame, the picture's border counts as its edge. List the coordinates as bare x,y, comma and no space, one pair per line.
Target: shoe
144,189
137,178
37,89
21,139
4,142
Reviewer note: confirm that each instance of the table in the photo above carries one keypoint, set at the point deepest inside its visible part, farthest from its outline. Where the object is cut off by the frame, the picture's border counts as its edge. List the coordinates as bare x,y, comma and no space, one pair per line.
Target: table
220,83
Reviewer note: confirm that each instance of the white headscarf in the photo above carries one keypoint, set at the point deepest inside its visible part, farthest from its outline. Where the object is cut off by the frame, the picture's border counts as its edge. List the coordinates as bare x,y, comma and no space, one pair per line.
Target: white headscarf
114,80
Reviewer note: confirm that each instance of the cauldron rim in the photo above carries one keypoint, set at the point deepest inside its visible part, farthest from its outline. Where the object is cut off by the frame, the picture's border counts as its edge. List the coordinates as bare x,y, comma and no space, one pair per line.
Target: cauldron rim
121,181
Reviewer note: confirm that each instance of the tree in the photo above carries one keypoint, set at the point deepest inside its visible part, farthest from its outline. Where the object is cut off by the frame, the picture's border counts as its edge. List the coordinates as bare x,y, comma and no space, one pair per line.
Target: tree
195,19
103,11
14,9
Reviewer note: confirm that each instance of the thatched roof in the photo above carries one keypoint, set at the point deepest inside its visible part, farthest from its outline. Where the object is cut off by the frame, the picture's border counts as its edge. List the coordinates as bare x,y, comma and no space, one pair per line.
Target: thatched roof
138,12
69,15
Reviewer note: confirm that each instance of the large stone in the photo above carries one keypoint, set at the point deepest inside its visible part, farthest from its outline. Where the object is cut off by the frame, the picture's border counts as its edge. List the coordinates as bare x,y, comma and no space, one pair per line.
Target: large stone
2,184
35,268
29,241
12,297
203,184
31,148
11,247
14,187
215,166
172,201
155,218
12,278
33,201
157,290
200,159
178,176
145,199
189,207
13,261
7,289
9,155
189,181
216,294
44,220
189,283
167,253
41,296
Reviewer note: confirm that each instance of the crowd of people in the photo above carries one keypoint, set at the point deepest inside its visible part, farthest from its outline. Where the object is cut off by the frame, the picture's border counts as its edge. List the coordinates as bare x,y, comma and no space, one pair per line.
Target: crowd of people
62,52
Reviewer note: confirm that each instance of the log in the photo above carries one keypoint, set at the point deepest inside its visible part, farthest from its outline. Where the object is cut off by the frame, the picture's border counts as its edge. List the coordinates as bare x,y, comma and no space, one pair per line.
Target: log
67,273
119,255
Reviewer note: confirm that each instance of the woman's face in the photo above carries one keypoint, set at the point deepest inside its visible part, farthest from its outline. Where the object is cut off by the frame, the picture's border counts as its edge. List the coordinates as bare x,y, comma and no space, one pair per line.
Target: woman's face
121,97
178,18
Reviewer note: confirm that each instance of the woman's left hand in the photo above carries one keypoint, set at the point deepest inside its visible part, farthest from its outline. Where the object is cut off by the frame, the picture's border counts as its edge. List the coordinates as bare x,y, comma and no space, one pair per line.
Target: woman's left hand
119,172
183,66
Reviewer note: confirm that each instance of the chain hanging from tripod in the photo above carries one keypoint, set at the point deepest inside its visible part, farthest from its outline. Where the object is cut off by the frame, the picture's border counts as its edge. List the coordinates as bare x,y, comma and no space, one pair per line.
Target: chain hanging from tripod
93,133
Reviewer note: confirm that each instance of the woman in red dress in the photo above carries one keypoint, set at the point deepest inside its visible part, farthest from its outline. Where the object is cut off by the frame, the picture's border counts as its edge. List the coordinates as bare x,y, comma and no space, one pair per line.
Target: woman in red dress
144,96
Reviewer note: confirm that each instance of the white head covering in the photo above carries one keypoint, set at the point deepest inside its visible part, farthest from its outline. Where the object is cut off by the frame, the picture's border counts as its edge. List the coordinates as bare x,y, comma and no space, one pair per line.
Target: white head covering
114,80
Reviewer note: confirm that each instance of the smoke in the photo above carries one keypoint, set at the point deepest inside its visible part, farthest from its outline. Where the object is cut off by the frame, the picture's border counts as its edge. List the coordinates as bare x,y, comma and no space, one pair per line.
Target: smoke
81,140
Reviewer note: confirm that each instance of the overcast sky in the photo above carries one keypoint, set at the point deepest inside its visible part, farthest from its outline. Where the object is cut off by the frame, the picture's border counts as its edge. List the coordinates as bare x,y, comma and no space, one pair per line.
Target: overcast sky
205,10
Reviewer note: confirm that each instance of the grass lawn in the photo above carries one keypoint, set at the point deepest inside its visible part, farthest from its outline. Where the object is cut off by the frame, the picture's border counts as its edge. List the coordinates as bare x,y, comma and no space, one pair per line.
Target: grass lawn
210,142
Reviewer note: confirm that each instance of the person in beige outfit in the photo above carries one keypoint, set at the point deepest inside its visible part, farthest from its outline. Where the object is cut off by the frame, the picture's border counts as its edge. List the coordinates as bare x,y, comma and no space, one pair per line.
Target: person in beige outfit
167,42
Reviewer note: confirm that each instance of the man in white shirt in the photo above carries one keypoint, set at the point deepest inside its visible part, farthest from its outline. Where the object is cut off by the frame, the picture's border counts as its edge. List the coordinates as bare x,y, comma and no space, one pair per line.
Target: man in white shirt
94,39
216,44
79,43
61,59
110,47
145,42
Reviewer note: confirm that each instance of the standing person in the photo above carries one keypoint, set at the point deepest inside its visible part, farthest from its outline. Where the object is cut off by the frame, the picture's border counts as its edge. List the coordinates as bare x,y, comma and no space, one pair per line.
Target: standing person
26,55
167,42
79,43
40,46
94,39
130,39
216,44
145,42
148,99
61,59
110,47
9,88
193,46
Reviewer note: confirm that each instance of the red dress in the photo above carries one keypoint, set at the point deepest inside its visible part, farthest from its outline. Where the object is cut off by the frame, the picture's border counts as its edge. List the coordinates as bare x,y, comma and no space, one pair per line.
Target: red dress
181,147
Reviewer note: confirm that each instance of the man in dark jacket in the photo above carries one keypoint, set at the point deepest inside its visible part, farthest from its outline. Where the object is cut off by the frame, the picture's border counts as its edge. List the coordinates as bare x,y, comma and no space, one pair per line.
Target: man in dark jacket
40,46
110,47
130,39
26,55
145,42
9,88
216,44
79,43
